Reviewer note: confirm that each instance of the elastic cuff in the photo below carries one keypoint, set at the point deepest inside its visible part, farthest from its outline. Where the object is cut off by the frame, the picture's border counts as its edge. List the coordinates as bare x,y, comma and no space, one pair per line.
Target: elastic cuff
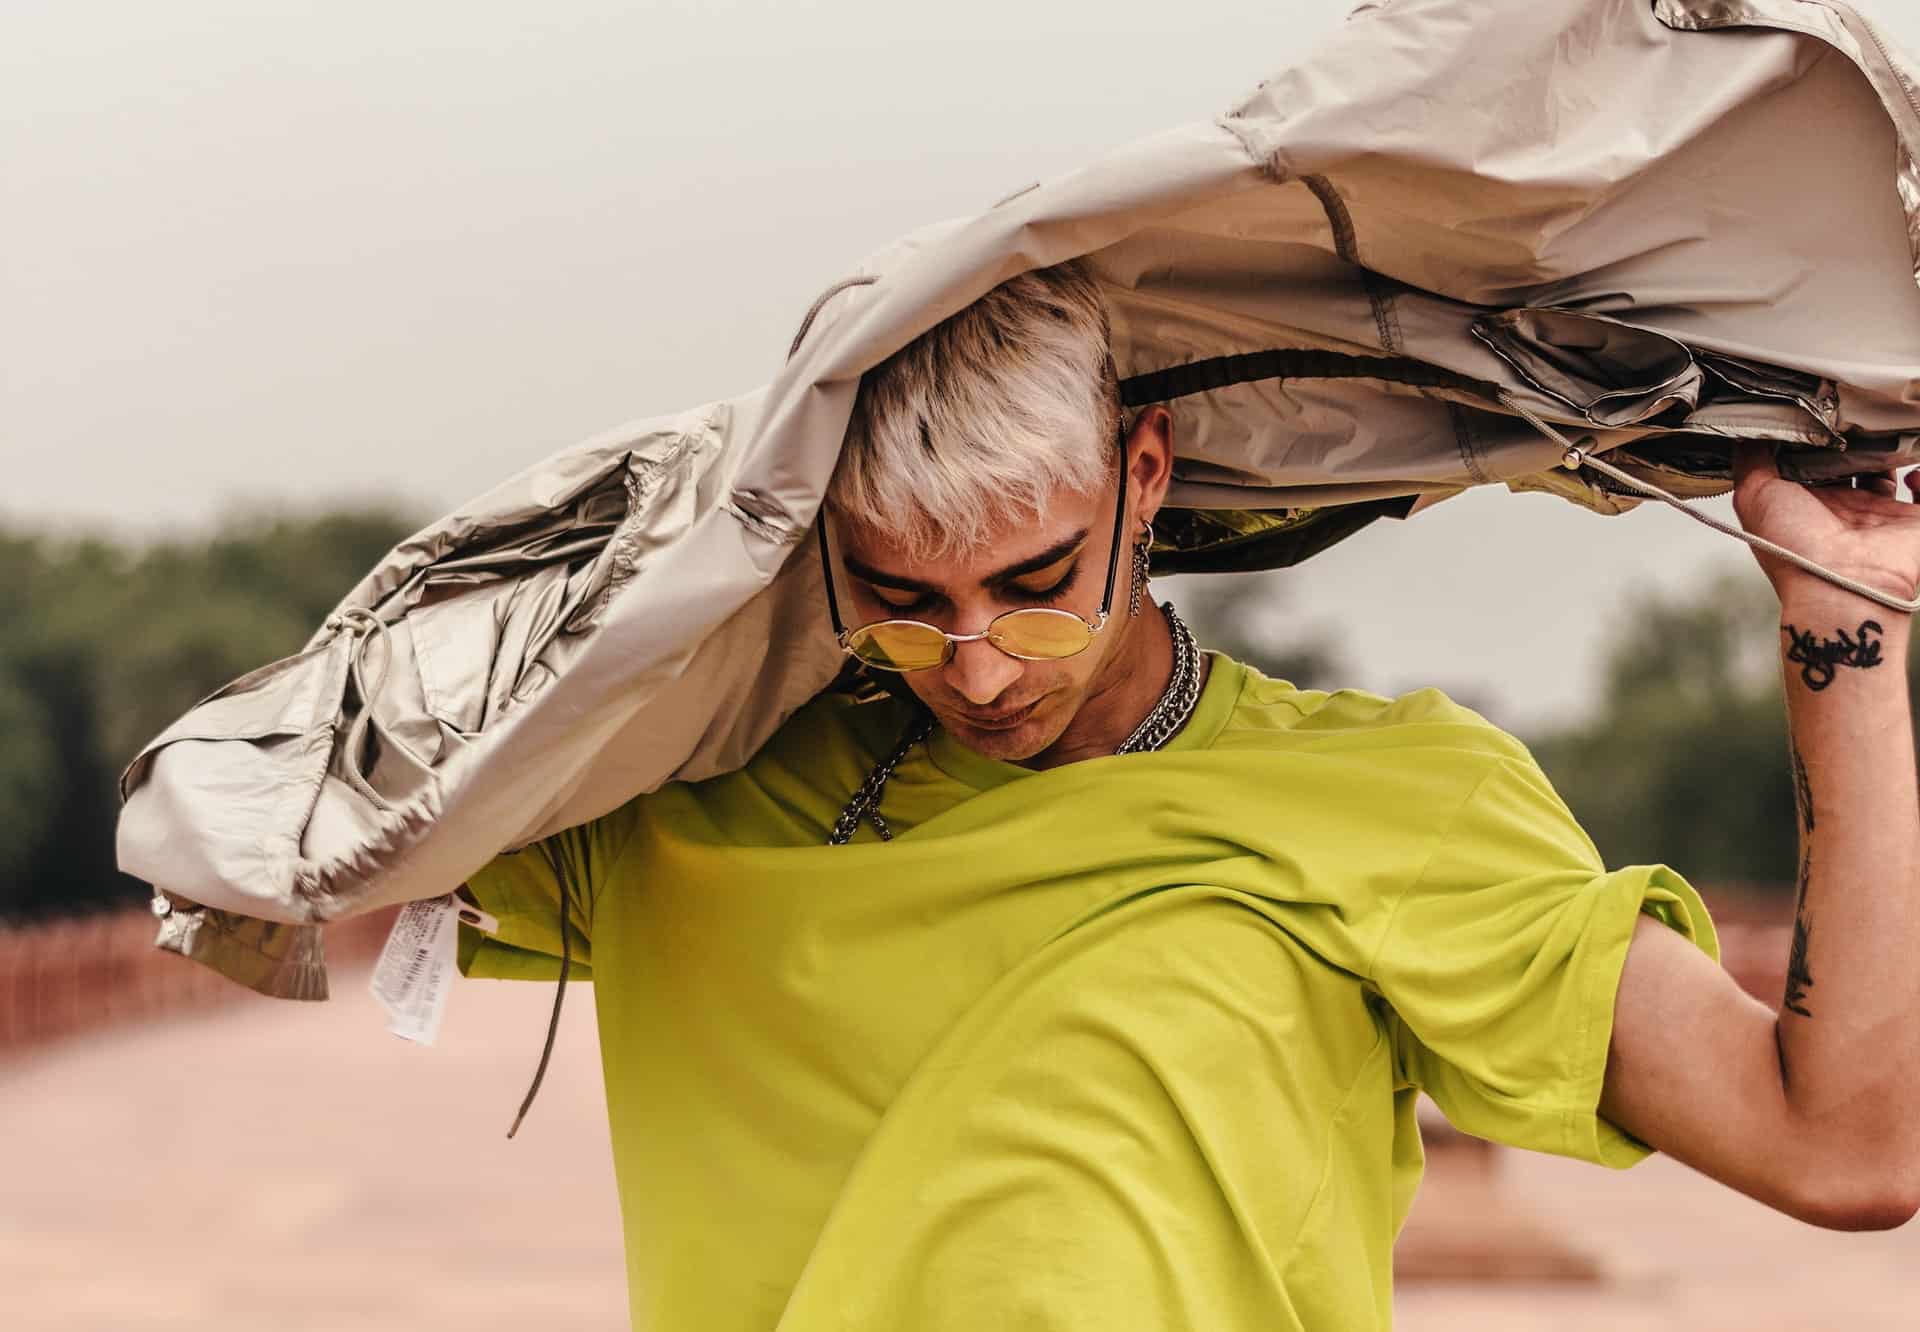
269,957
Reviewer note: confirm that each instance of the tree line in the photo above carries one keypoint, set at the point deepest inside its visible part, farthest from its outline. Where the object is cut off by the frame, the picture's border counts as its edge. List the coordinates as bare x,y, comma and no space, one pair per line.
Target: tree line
103,643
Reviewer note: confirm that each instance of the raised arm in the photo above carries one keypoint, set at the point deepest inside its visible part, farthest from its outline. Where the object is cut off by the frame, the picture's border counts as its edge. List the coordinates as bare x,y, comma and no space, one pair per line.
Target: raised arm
1810,1109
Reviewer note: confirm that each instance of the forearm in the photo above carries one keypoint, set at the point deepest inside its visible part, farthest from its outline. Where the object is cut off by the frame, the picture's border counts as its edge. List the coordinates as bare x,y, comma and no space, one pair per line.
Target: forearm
1848,1030
1809,1109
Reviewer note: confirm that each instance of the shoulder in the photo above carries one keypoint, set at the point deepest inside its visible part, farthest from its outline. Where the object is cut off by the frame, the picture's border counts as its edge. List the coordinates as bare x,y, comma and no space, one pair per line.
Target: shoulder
834,724
1272,711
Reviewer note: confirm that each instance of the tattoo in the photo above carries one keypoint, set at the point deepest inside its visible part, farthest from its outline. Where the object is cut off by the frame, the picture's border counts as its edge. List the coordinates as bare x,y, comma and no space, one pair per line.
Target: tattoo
1802,789
1799,978
1819,659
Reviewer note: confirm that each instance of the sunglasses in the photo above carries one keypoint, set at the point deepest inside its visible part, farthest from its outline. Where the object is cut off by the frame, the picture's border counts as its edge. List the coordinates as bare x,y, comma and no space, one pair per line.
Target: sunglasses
1034,633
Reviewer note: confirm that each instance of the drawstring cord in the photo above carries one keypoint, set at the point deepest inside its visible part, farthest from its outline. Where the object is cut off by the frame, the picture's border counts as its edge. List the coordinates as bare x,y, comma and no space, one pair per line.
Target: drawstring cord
1574,457
559,870
560,991
360,620
359,617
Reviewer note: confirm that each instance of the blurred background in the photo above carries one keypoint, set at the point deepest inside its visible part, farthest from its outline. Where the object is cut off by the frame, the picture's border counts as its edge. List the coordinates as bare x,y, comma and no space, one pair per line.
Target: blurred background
280,282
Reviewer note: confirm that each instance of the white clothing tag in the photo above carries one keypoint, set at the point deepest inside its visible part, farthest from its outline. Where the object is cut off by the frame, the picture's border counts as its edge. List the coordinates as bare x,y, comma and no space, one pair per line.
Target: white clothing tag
416,967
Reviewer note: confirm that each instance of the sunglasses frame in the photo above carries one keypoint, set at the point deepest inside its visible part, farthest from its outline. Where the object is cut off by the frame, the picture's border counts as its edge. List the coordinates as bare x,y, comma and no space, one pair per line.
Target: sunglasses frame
844,636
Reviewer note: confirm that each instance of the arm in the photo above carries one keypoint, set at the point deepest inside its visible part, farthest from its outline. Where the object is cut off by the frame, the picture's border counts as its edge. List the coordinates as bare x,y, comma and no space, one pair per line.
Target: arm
1809,1109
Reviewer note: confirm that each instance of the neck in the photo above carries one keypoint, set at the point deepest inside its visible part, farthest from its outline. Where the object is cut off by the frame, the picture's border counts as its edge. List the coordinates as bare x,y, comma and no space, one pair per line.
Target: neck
1125,691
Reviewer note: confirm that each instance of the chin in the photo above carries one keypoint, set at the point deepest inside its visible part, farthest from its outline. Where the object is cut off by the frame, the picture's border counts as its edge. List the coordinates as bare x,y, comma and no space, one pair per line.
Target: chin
1008,744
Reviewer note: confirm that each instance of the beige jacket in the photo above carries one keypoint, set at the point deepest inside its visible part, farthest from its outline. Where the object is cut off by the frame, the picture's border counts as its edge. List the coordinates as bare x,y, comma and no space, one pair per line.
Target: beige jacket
1655,225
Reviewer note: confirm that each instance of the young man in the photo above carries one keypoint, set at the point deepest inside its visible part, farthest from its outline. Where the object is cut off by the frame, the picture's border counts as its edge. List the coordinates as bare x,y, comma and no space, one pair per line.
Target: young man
1089,982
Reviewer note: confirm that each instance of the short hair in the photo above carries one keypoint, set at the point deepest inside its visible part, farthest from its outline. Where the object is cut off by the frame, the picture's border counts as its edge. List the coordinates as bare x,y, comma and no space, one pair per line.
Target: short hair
985,416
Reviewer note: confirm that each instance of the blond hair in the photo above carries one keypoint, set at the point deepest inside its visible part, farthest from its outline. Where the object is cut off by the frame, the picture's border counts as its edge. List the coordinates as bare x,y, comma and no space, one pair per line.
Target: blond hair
985,416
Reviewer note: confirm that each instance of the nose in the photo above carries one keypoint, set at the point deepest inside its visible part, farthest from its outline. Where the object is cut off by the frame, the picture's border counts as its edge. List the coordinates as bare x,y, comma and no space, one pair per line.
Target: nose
981,672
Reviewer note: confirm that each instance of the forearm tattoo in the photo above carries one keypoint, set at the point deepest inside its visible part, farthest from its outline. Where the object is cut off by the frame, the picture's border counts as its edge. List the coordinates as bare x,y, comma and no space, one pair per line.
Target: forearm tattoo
1799,977
1802,789
1819,659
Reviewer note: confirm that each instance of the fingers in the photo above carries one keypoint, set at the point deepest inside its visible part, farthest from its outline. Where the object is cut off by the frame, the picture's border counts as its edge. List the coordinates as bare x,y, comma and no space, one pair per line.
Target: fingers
1877,483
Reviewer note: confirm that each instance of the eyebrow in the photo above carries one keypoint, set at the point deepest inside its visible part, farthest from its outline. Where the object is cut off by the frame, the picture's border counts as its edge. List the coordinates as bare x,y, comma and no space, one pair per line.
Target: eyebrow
1053,554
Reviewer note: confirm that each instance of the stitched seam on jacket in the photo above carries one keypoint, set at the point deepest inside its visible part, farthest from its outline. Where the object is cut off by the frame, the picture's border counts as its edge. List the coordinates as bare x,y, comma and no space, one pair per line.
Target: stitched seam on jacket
764,528
1386,319
1242,129
640,485
1463,443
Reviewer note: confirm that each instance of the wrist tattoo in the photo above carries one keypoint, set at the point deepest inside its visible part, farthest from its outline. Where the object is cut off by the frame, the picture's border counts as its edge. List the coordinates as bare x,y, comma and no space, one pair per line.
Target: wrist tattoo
1799,977
1819,659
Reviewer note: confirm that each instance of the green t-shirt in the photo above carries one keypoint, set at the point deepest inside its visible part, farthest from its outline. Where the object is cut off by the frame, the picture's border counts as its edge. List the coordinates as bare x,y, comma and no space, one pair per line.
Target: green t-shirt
1129,1043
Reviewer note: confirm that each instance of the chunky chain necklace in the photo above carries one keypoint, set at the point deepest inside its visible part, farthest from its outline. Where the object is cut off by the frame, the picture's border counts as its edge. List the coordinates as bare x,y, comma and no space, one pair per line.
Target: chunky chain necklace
1182,692
1155,729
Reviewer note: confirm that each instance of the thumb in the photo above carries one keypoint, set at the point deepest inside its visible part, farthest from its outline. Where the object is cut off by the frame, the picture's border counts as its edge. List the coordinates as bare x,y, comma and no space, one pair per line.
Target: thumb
1753,459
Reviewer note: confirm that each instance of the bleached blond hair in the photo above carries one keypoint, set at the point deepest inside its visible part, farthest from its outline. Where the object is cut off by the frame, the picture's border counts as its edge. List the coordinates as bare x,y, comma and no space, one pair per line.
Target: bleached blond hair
985,416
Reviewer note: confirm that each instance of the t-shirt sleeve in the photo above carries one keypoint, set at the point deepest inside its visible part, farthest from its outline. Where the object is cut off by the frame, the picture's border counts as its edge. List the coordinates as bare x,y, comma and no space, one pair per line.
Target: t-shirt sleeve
521,890
1502,960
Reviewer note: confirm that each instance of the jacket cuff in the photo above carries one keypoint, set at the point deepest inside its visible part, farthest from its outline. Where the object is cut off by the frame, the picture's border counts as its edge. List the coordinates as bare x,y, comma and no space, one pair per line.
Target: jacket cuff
279,960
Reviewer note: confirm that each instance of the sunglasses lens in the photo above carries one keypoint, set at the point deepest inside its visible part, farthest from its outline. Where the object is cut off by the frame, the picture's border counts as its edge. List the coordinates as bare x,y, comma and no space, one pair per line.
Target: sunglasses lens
899,645
1039,634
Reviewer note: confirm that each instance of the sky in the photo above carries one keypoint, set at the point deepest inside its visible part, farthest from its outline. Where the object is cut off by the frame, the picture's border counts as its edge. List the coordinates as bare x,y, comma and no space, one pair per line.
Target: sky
268,255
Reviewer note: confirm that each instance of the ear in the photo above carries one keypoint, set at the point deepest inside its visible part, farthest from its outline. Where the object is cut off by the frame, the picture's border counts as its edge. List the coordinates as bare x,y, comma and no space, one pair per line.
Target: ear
1149,461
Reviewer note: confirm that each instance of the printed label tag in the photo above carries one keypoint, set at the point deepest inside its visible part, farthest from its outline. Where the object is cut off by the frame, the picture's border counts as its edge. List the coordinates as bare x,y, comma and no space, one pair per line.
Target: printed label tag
416,968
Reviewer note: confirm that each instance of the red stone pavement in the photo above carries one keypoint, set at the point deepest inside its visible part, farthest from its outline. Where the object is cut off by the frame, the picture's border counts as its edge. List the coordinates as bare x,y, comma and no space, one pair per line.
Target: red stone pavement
291,1166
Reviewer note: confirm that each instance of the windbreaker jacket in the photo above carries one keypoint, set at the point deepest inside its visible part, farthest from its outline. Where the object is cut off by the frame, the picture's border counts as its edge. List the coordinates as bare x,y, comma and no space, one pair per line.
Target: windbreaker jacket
1651,226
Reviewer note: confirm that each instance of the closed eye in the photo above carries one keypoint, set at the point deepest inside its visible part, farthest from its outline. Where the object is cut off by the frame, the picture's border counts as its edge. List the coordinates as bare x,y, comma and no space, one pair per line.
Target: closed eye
919,605
1053,592
1048,584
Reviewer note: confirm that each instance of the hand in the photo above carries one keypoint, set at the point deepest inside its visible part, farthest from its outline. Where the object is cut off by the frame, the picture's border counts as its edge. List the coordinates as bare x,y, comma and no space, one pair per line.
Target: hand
1865,533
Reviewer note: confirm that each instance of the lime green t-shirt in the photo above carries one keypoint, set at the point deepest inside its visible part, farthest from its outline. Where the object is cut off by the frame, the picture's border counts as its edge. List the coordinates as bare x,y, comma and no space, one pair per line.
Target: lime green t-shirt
1129,1043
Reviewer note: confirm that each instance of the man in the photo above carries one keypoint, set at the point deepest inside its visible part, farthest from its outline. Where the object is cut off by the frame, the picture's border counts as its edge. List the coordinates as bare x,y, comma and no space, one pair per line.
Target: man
1090,981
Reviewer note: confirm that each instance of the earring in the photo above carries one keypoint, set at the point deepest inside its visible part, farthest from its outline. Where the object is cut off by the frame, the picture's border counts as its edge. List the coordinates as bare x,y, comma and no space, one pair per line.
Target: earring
1140,563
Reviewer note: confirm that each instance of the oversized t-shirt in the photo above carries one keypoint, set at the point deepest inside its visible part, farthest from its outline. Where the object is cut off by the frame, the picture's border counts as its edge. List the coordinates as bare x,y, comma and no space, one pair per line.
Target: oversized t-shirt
1129,1043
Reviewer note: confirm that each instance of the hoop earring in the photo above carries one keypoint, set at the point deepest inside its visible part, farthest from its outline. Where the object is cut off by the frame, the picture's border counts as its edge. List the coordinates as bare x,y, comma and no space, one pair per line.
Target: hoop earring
1140,564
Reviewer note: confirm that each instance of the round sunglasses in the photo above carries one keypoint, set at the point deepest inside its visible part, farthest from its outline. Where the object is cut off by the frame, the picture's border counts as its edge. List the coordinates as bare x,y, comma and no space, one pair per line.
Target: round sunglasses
1031,633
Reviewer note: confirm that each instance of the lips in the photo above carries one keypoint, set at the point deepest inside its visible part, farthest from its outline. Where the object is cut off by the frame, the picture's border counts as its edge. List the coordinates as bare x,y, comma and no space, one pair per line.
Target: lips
998,721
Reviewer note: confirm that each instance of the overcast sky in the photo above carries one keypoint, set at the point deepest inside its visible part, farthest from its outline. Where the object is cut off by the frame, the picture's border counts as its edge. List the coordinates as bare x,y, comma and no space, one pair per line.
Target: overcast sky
267,253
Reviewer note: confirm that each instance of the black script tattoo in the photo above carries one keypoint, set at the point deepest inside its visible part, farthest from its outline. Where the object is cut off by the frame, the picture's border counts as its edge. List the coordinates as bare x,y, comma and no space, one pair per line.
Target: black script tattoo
1819,659
1799,977
1802,789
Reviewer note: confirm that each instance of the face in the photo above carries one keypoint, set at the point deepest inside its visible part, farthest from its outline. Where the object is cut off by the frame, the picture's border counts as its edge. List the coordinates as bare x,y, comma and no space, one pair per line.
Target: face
993,703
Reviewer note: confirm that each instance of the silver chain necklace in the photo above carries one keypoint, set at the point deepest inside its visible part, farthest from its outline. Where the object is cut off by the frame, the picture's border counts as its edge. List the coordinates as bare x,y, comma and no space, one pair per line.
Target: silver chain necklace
1182,692
1160,725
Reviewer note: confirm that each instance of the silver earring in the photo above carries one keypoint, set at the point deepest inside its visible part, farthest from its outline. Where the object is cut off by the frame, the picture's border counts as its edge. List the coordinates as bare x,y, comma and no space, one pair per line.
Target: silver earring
1140,563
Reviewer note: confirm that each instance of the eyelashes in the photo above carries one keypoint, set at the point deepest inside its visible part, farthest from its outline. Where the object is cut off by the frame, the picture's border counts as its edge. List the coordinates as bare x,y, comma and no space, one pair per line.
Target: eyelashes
1061,588
923,604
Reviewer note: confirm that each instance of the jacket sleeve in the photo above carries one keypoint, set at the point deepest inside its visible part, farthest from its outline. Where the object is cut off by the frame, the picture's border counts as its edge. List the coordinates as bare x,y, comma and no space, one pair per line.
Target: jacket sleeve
522,891
1501,963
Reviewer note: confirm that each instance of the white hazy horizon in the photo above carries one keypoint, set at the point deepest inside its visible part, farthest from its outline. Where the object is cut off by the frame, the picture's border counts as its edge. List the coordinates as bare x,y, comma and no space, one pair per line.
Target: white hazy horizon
269,254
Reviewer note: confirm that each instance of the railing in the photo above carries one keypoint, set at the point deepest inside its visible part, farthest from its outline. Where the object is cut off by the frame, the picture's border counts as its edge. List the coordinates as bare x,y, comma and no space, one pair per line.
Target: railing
61,977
